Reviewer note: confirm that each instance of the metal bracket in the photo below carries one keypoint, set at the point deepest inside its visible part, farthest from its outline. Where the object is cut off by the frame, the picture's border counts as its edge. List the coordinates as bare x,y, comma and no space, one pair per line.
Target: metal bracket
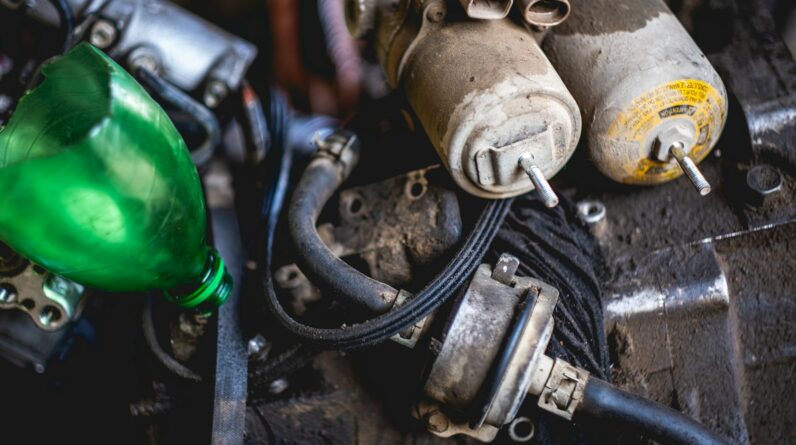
411,335
50,300
440,424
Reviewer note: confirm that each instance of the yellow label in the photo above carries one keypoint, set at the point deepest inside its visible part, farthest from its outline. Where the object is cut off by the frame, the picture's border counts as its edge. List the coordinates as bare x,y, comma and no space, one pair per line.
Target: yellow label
690,99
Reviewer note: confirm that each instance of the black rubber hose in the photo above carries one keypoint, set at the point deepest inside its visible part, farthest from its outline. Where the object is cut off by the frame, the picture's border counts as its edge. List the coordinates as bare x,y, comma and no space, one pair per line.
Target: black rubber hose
605,402
316,260
67,22
185,103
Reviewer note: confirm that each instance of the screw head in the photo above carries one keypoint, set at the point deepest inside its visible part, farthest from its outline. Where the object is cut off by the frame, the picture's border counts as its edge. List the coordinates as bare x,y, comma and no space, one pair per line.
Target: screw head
146,58
278,386
763,181
215,93
49,316
103,34
8,294
256,344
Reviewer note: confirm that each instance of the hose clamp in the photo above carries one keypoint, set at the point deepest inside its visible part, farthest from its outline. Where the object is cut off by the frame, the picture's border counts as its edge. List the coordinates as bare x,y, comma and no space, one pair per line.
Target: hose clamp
563,390
341,147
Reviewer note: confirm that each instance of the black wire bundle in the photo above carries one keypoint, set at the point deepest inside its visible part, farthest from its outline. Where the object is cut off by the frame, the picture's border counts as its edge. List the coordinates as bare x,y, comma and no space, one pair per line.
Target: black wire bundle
553,246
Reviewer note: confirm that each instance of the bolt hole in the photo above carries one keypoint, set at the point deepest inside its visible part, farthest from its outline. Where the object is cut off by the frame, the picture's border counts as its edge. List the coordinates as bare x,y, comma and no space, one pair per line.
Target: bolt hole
28,304
8,293
417,190
521,429
547,12
287,277
545,7
355,206
49,315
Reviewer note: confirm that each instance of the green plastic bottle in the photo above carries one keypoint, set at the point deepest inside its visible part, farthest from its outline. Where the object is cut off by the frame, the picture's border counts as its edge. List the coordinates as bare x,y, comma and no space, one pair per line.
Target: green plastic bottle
97,185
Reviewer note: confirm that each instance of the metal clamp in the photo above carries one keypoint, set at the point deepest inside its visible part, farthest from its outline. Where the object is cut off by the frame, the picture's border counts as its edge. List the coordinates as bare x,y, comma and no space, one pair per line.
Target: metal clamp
411,335
341,147
563,390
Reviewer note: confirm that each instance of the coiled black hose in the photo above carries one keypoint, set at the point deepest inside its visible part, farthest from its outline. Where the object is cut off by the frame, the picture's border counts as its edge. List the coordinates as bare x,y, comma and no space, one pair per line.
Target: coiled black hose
605,402
185,103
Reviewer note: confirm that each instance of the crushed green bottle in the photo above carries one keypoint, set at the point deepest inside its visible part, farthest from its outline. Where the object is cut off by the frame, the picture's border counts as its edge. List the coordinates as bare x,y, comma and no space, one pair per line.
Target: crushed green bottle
96,185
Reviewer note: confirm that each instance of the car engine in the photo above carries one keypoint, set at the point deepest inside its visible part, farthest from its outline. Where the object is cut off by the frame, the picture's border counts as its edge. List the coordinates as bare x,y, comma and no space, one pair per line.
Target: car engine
398,221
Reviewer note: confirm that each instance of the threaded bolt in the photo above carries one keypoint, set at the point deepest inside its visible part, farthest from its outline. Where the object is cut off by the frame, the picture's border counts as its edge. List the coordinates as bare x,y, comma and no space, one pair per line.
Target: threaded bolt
539,182
690,168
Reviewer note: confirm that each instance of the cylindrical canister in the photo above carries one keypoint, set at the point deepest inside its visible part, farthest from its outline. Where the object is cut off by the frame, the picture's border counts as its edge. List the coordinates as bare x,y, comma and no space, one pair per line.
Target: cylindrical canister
486,95
643,85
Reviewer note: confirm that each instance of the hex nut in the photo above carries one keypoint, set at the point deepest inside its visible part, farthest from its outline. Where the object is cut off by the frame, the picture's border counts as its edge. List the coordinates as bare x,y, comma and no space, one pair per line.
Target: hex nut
677,133
763,181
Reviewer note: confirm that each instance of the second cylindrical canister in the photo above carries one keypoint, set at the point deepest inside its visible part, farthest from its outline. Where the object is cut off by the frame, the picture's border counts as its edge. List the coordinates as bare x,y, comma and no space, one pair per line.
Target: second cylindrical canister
488,99
650,98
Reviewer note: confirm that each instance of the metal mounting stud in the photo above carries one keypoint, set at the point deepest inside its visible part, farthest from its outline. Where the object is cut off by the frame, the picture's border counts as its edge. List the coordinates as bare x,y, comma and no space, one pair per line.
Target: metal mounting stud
690,168
542,186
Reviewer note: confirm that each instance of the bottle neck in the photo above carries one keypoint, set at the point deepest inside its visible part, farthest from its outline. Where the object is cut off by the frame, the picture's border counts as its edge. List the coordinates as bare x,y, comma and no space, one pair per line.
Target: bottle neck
212,289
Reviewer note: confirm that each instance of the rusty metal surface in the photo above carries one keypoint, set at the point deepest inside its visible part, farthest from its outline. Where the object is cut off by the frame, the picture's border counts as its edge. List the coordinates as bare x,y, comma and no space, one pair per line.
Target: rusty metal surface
336,405
700,292
707,328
